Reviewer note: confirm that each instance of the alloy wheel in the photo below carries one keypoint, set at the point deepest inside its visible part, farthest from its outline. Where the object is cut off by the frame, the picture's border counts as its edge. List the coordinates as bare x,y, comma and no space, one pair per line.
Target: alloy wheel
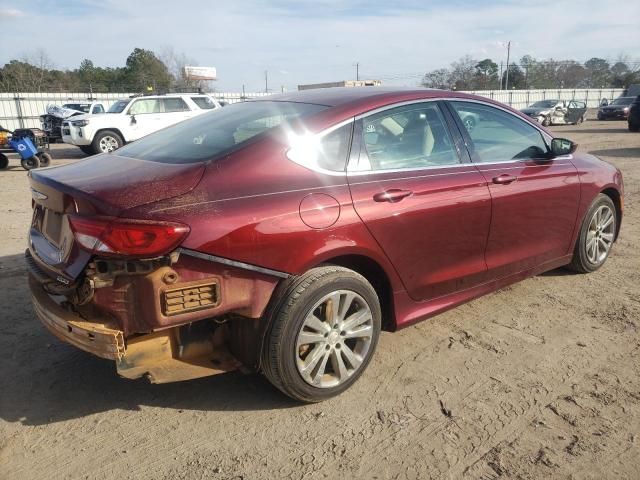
334,339
108,144
600,234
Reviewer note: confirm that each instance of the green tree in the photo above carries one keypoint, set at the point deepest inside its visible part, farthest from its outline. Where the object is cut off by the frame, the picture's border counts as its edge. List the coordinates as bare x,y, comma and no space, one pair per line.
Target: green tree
486,74
598,71
144,70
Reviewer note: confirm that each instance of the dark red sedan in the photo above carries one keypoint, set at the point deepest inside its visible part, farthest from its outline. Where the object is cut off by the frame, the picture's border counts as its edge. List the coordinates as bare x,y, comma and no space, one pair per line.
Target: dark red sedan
284,234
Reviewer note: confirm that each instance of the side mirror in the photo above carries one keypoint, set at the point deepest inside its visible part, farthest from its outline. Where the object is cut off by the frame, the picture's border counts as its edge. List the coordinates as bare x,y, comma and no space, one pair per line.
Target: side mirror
562,146
133,120
604,102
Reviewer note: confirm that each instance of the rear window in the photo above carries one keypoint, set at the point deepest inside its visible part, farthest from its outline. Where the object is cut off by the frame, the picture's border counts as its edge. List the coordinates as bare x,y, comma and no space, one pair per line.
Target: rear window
205,103
217,132
81,107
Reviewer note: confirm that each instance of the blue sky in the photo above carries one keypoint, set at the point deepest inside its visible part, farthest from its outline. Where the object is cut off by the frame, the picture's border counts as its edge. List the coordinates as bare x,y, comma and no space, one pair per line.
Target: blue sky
304,42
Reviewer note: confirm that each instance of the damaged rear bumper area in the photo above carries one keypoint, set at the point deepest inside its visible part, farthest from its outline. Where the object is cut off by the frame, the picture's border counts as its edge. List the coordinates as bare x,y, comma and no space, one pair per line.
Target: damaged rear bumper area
195,313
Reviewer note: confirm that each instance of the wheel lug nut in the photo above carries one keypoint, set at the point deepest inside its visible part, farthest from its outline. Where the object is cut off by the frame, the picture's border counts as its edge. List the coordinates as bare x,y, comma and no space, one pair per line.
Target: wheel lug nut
343,333
327,347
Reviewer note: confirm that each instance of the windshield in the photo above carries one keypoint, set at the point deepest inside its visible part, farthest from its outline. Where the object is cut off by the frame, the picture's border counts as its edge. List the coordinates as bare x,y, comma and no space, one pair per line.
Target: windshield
81,107
544,104
219,131
119,106
623,101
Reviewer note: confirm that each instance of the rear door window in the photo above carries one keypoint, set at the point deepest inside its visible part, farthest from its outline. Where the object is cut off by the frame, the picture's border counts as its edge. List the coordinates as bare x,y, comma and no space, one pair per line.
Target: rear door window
175,104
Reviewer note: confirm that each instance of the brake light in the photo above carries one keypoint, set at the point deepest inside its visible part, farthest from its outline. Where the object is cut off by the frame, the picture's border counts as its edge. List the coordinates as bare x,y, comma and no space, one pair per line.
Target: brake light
123,237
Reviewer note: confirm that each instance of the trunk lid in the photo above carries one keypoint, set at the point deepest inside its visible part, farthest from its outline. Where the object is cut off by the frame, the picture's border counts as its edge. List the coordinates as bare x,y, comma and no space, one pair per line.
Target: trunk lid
101,185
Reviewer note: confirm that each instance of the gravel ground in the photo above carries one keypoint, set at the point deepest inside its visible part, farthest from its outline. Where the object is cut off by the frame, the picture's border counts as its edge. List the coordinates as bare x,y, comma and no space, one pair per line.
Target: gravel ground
538,380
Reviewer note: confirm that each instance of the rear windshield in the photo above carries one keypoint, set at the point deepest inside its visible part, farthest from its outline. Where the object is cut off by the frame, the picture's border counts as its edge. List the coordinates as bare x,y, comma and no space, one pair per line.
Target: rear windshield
205,103
219,131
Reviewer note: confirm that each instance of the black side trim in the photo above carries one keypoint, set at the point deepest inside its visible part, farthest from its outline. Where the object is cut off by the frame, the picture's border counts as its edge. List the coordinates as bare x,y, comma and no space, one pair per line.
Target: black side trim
233,263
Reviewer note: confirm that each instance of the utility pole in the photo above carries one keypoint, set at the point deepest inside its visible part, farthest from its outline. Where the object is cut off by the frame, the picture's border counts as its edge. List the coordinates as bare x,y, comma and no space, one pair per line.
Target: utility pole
506,83
357,65
500,78
266,81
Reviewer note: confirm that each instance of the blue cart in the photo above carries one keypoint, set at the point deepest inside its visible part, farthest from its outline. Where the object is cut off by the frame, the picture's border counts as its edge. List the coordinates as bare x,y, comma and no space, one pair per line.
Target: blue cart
31,144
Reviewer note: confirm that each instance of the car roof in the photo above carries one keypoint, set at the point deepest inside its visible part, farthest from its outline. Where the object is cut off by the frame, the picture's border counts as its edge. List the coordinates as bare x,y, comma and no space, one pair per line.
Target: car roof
336,96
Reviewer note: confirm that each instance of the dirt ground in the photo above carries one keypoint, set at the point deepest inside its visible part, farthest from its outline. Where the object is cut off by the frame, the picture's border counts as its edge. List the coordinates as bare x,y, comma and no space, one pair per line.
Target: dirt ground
538,380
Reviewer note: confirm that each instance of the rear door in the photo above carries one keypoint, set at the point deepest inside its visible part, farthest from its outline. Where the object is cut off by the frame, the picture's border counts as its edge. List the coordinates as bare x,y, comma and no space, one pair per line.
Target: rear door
174,110
576,111
534,199
425,204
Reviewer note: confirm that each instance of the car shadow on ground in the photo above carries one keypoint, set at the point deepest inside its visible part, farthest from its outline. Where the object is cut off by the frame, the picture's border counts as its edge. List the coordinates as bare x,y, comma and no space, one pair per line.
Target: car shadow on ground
618,152
45,380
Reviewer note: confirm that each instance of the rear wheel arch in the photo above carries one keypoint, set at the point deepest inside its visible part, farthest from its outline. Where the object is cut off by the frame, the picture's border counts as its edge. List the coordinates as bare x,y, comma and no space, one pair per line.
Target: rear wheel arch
373,272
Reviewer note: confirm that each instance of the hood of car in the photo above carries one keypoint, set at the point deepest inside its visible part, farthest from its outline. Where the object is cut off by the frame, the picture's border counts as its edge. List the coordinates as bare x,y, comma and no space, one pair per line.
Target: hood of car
534,111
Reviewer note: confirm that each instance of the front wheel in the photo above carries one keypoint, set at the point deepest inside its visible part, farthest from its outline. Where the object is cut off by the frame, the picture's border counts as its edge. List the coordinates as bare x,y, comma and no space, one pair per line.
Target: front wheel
546,121
4,161
106,141
634,127
596,236
30,163
325,328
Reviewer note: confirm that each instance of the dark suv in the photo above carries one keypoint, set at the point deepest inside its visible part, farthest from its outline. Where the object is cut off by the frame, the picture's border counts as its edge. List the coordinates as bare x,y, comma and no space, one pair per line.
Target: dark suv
634,115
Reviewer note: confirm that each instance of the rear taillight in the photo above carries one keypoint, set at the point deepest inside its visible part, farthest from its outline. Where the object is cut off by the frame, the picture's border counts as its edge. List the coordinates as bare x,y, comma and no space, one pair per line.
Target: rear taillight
122,237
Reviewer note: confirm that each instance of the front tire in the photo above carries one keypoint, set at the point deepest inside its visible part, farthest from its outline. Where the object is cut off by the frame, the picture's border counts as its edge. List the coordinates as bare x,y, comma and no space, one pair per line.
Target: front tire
546,121
596,237
324,329
106,141
4,161
634,127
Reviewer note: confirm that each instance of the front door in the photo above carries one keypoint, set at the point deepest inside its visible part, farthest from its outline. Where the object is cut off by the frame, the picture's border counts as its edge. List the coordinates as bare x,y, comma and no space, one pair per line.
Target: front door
428,211
146,117
534,198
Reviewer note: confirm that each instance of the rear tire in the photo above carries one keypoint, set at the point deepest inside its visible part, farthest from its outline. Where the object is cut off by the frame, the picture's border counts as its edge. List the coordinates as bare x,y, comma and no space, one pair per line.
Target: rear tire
106,141
45,159
30,163
596,237
4,161
324,330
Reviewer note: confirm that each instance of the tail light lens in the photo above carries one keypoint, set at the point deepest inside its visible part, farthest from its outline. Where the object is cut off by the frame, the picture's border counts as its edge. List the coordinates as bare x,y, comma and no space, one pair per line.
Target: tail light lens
122,237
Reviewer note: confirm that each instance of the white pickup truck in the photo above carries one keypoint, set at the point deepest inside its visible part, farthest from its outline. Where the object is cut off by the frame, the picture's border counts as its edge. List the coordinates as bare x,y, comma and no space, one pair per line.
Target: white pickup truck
132,118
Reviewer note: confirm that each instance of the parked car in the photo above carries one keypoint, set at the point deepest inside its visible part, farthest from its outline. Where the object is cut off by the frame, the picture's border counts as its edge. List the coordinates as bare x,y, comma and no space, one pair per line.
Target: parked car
131,119
285,233
557,112
52,121
617,110
633,120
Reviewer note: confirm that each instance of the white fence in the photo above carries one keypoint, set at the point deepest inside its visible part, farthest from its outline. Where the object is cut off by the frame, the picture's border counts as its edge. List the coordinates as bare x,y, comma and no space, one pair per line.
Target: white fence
523,98
22,110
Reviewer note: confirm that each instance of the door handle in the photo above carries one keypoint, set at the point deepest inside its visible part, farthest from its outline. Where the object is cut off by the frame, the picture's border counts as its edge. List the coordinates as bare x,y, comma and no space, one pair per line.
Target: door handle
392,196
504,179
